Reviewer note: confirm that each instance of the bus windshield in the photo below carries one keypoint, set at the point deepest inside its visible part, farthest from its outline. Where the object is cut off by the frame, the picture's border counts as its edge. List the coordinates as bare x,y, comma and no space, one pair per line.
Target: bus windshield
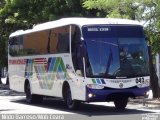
116,52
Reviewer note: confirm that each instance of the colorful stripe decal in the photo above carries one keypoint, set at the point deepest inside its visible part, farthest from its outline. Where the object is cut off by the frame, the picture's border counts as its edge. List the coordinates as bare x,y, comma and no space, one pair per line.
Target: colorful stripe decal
47,70
103,82
98,81
29,68
40,61
94,81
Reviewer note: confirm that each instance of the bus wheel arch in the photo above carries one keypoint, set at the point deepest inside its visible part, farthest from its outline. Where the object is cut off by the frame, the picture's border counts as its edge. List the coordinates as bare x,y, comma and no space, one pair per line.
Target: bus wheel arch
67,96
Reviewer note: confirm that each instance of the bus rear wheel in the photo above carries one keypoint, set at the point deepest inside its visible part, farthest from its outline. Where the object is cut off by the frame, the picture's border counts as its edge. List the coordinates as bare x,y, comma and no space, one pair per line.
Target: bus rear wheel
121,104
31,98
71,104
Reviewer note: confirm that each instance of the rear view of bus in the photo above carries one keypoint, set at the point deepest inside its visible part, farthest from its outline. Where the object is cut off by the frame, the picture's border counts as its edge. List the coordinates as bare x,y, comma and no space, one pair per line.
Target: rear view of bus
116,62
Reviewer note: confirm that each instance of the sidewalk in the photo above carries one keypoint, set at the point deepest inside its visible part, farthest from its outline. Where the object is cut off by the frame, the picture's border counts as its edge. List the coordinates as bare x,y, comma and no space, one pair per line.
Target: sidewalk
145,101
153,102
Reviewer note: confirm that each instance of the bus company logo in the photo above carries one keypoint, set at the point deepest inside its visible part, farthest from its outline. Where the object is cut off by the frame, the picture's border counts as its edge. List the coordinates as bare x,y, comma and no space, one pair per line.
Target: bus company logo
120,81
47,71
18,61
121,85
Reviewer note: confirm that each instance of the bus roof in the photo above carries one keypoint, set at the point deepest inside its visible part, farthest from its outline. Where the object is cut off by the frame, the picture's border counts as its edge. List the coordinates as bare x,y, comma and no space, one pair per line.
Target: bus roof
76,21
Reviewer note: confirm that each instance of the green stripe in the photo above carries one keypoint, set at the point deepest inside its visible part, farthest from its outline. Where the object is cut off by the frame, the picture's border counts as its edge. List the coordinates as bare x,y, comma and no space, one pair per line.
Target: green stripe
93,80
62,65
56,64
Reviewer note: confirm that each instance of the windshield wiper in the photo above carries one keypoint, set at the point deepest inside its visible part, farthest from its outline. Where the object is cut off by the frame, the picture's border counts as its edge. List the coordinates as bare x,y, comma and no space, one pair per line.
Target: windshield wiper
110,58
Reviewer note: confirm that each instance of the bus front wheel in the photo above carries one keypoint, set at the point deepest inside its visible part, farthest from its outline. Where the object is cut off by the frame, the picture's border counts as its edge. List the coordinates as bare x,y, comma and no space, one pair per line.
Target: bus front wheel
71,104
121,104
31,98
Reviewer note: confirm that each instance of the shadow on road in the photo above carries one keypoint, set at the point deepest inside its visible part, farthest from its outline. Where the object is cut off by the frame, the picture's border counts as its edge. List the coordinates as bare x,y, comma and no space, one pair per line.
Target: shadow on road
84,109
6,110
5,91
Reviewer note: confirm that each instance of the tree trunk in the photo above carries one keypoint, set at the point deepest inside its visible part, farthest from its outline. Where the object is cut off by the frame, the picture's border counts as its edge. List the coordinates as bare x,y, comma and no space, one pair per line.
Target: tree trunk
153,77
0,76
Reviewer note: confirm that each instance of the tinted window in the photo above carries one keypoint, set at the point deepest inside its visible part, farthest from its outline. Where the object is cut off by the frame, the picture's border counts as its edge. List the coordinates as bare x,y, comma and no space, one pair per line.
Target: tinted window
16,45
63,40
36,43
43,42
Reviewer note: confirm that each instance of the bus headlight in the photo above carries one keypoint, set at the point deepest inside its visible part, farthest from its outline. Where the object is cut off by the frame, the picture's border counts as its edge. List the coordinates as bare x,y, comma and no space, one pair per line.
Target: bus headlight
90,95
147,82
95,86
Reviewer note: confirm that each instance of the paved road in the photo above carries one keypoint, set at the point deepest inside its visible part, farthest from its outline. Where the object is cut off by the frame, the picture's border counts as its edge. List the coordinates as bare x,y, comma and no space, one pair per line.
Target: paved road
12,102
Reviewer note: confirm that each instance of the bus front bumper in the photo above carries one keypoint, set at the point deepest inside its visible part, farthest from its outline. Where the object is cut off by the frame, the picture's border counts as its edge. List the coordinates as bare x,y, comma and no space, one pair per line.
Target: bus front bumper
109,94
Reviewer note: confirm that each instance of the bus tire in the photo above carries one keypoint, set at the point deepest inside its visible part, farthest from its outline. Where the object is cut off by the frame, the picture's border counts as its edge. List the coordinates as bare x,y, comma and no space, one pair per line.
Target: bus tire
121,104
32,98
71,104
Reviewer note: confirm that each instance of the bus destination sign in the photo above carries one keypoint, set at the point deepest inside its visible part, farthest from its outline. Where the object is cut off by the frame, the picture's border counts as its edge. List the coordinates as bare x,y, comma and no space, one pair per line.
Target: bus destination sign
93,29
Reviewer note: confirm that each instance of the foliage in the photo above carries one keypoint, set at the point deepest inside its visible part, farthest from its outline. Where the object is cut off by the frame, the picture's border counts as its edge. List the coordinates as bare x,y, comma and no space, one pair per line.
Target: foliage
23,14
146,11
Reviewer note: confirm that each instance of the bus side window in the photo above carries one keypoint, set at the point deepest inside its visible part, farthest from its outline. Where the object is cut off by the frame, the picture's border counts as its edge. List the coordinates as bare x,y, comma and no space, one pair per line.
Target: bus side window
63,40
76,51
16,45
63,43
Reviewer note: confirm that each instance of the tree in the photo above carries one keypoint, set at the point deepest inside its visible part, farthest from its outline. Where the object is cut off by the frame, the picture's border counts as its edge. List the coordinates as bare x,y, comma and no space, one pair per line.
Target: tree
30,12
147,11
23,14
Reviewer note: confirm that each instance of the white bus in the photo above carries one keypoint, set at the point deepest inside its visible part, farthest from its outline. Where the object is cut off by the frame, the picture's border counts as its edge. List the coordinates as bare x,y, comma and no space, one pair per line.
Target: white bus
80,60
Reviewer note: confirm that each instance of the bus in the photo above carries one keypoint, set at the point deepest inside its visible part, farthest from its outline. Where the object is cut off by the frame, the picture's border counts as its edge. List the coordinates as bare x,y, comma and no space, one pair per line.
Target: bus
80,60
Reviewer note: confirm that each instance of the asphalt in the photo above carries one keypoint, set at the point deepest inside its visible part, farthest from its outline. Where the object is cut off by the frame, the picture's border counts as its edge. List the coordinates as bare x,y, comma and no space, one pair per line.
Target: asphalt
5,91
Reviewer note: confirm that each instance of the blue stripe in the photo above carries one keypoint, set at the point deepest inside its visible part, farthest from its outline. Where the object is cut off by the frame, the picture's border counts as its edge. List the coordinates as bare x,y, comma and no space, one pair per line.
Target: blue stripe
51,64
30,67
60,72
103,82
98,81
